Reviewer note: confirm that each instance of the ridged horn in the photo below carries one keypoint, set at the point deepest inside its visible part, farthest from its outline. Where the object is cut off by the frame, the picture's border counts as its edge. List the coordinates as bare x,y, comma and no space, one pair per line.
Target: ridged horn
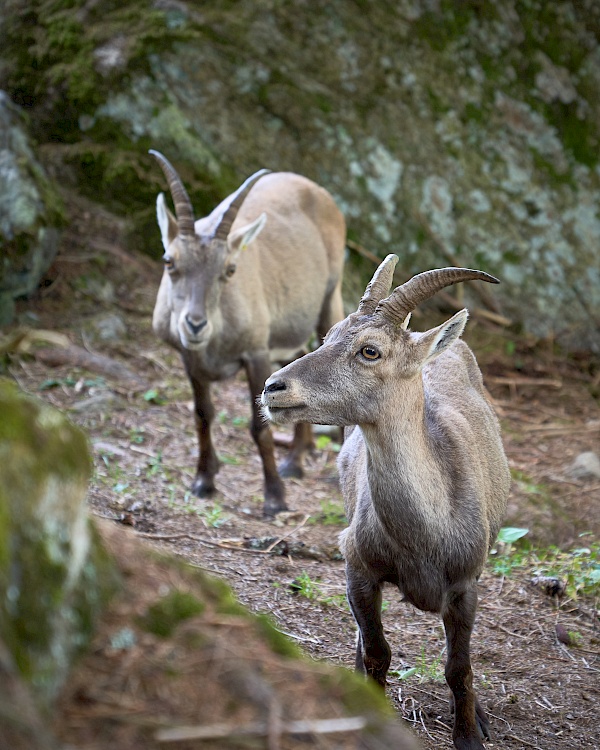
181,200
235,201
405,298
379,286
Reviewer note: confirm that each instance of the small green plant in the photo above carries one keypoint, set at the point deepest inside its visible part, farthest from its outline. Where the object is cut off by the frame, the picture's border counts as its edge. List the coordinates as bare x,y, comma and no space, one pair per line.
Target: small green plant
332,514
324,442
304,585
505,561
579,568
510,534
152,396
432,672
335,600
154,465
213,516
136,435
527,485
231,460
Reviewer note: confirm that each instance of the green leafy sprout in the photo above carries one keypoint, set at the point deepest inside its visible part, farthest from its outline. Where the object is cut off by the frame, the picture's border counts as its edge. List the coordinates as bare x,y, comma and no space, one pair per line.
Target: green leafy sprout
423,670
578,567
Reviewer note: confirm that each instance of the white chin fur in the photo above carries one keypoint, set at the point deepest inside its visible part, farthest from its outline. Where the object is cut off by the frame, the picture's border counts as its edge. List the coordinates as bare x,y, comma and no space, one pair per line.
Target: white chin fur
192,346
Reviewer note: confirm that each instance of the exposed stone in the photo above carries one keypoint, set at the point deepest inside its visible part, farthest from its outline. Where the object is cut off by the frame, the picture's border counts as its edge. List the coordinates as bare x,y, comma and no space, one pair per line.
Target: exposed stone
54,574
585,466
29,212
107,327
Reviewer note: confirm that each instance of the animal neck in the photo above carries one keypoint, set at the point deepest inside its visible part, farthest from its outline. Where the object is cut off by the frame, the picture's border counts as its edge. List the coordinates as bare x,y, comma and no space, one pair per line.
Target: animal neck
406,482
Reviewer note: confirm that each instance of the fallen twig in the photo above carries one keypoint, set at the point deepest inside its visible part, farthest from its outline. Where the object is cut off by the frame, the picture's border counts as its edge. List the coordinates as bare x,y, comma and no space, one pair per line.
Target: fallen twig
476,312
514,381
285,536
76,356
260,729
363,251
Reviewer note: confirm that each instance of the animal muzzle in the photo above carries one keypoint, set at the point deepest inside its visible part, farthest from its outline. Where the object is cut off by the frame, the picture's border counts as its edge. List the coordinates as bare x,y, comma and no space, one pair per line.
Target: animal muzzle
280,401
195,325
193,331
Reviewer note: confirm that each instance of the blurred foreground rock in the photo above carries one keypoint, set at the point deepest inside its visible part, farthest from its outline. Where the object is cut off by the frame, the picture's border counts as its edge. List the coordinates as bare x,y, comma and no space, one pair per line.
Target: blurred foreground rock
173,654
55,576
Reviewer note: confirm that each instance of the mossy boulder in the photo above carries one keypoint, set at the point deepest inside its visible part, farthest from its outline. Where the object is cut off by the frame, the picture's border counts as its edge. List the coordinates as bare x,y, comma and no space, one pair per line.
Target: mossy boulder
55,576
199,659
30,211
455,132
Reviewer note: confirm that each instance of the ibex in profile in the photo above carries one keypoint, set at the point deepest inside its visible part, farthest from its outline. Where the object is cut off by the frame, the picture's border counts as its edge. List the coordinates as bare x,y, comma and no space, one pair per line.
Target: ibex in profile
424,474
251,281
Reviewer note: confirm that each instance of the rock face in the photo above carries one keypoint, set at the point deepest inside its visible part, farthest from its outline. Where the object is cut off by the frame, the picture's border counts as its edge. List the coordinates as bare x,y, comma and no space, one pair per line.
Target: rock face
30,212
54,574
450,132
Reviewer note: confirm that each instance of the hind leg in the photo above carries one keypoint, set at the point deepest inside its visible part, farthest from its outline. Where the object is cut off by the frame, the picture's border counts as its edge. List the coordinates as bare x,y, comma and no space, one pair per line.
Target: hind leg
291,466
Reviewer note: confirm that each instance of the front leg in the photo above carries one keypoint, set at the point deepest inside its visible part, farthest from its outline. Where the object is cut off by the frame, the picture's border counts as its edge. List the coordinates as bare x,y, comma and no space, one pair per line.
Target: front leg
258,369
470,720
208,463
373,654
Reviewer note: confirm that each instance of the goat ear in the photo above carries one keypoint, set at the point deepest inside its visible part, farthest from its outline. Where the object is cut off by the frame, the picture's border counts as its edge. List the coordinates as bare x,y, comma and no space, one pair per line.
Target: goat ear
241,238
441,338
166,221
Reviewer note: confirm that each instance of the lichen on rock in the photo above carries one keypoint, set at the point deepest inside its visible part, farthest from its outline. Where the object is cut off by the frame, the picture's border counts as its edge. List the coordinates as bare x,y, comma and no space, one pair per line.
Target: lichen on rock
30,212
54,573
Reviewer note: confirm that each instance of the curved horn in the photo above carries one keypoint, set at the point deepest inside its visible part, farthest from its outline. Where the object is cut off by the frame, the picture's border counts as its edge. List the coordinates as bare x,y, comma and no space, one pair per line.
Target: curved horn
408,296
181,200
379,286
235,201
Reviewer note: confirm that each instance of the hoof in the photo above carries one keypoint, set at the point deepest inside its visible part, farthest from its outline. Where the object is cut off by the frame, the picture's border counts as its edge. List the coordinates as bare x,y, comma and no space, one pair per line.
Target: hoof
483,724
273,506
472,743
203,488
290,470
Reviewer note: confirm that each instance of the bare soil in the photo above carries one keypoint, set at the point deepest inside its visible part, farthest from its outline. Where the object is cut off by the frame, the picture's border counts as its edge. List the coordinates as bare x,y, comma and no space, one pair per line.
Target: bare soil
540,693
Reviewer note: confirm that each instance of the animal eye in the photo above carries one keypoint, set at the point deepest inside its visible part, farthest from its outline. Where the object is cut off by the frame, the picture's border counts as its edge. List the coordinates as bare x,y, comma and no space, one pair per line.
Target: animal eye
169,262
369,352
229,271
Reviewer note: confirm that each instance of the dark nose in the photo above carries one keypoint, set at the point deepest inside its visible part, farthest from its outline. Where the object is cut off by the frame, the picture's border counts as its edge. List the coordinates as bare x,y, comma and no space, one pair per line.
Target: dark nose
276,385
195,327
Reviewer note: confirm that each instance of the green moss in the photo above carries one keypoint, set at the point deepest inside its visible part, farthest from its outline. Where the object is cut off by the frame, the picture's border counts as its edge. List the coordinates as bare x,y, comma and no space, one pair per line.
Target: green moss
55,576
358,694
549,171
41,441
580,135
229,605
474,112
278,642
163,617
450,21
